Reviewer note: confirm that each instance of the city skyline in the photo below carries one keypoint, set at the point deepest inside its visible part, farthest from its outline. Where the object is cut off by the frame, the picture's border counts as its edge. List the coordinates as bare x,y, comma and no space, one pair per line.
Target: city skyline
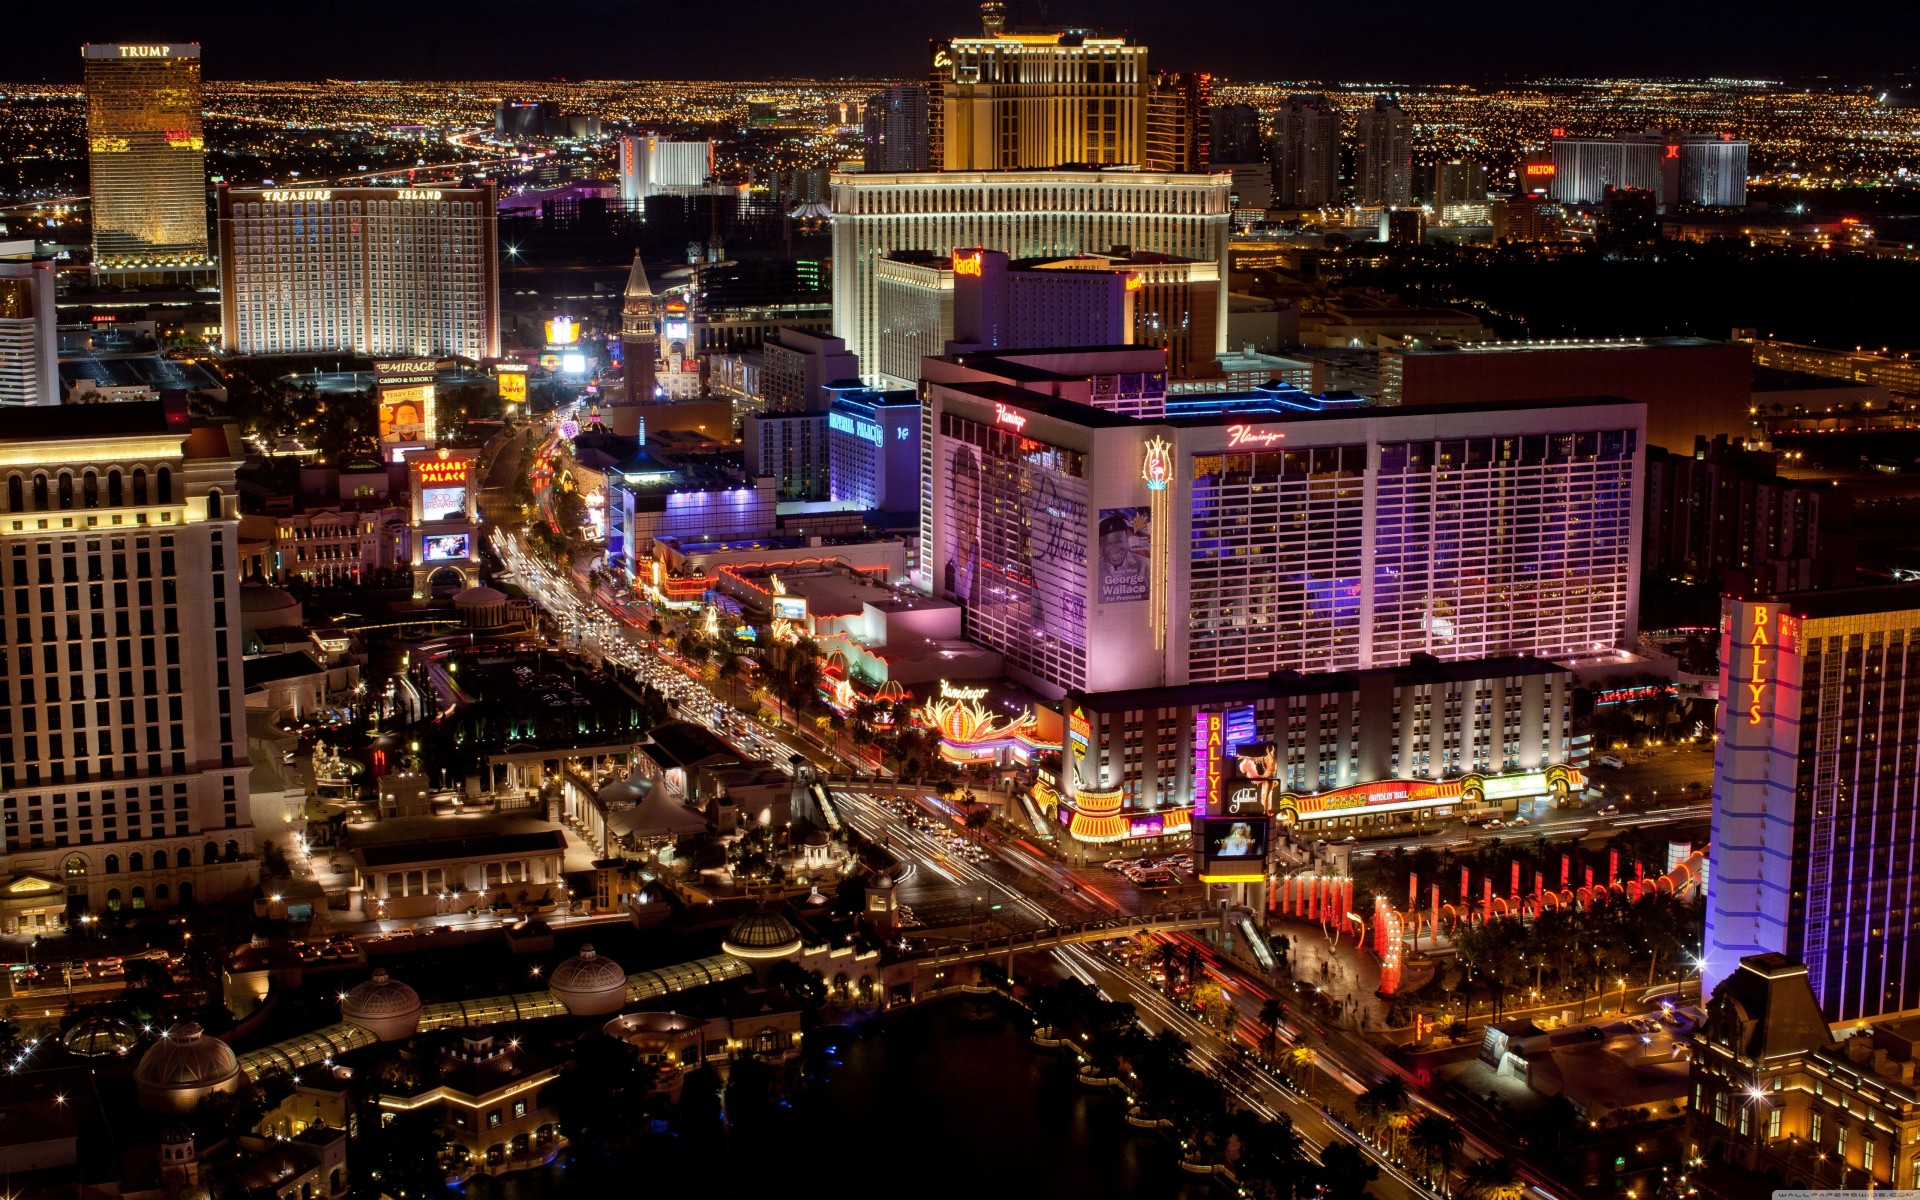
596,39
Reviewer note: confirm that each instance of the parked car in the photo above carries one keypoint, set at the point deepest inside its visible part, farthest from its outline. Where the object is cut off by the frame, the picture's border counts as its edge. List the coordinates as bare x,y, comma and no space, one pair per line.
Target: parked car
1612,762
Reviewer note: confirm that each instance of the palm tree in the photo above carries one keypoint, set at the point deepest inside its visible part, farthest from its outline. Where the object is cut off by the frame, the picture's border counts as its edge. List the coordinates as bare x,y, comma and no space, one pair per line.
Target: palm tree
1491,1179
1384,1107
1437,1139
1269,1017
1169,959
1271,1158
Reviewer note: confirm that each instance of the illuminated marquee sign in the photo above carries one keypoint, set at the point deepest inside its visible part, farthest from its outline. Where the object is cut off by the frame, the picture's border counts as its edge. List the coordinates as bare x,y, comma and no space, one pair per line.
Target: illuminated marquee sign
1540,168
1079,735
866,431
967,264
1249,435
1009,417
563,331
1208,737
1756,643
146,52
296,195
443,470
1157,467
1630,695
417,194
950,692
1136,282
404,370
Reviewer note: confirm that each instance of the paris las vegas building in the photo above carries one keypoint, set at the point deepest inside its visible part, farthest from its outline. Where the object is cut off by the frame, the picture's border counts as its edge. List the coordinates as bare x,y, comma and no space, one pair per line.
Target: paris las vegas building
376,271
1430,567
123,753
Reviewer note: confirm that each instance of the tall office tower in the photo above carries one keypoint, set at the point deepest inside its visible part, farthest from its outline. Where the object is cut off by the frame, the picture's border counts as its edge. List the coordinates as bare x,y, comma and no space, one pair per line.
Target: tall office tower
651,166
639,334
123,765
1383,159
1461,181
1179,133
896,130
1306,153
401,271
1021,213
1815,837
1023,101
1235,133
29,361
146,159
1223,537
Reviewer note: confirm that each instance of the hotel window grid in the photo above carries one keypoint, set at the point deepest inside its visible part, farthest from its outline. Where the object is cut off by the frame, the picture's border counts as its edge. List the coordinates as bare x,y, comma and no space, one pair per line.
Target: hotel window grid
1021,570
1275,562
1512,545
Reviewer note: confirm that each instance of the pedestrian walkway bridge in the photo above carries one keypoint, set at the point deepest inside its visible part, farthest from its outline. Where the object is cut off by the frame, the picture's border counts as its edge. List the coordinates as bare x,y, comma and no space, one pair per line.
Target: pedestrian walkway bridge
1066,935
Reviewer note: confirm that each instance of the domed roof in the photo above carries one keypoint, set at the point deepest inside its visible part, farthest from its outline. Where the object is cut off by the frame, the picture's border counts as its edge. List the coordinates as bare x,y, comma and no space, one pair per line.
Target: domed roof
380,999
264,597
479,594
99,1036
761,934
588,984
184,1066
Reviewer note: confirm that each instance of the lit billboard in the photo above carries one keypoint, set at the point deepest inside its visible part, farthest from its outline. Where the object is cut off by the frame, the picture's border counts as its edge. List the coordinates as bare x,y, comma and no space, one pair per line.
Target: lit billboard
1233,849
445,547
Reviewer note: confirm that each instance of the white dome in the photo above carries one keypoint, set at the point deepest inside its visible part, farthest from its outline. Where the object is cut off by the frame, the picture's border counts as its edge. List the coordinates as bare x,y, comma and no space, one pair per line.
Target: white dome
383,1006
183,1068
589,985
480,594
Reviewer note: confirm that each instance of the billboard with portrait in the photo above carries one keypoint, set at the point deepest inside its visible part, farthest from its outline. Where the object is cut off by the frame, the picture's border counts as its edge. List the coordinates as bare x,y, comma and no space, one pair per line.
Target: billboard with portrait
1125,536
1233,846
790,608
403,412
445,547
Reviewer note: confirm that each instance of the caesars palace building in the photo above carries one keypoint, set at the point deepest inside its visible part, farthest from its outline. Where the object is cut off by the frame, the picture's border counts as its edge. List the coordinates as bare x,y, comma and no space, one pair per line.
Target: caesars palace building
1115,544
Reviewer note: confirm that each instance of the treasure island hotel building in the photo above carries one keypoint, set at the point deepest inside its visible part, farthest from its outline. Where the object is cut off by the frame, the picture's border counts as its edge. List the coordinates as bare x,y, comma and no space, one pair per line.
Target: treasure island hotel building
123,743
377,271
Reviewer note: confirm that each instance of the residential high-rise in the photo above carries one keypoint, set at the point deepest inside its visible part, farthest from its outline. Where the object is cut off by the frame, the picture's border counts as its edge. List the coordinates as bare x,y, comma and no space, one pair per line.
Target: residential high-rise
1461,181
1021,213
1383,154
146,158
639,334
896,130
1179,134
653,166
1306,153
29,360
1234,130
1266,530
1814,832
123,764
380,271
1012,102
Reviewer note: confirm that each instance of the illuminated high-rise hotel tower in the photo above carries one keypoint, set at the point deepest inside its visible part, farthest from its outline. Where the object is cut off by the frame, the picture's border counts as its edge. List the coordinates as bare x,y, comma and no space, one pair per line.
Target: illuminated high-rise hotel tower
146,159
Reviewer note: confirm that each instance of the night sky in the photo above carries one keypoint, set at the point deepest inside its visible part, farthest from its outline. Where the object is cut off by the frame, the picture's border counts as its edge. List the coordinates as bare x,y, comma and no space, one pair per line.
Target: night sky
1402,40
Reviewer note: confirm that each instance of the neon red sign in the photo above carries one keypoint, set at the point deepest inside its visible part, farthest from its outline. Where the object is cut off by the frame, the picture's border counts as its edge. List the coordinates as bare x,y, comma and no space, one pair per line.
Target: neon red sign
444,470
967,264
1673,151
1011,418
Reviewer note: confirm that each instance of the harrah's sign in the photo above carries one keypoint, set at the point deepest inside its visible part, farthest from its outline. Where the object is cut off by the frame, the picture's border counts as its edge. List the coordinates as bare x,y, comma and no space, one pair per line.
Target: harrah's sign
1252,435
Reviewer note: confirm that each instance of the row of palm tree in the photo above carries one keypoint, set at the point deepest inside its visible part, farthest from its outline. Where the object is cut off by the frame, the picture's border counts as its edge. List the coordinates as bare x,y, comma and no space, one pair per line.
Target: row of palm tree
1432,1142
